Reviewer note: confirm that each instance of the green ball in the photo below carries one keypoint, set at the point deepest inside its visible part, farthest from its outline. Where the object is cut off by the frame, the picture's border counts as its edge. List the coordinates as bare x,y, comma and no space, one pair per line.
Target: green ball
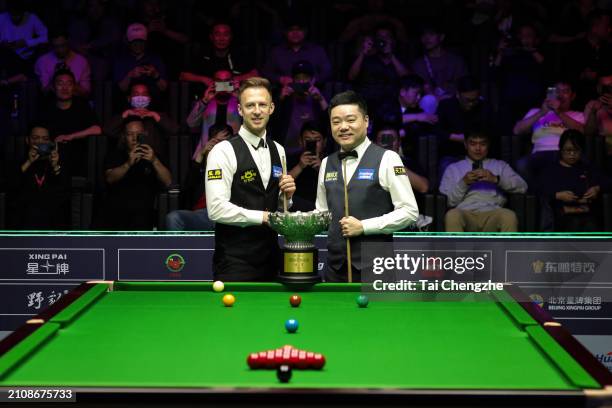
362,301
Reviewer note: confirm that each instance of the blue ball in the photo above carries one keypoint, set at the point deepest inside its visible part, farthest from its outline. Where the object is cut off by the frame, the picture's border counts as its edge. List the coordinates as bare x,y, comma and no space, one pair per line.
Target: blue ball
291,325
362,300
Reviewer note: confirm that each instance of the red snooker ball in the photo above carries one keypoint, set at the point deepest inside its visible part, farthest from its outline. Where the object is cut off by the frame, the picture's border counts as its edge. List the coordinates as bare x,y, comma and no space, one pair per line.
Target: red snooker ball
295,300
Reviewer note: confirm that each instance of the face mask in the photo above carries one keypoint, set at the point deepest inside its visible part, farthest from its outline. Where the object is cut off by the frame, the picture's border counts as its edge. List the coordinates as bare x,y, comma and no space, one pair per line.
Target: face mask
140,102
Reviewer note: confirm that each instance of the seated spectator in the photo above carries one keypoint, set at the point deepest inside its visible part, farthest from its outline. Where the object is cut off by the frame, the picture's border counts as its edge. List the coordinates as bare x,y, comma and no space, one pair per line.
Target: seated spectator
590,57
438,67
196,218
219,56
218,105
40,195
305,165
572,24
406,109
62,57
520,68
158,125
387,136
300,102
476,187
13,73
21,31
457,116
283,57
164,38
545,125
378,75
572,188
139,64
96,34
598,116
134,175
71,121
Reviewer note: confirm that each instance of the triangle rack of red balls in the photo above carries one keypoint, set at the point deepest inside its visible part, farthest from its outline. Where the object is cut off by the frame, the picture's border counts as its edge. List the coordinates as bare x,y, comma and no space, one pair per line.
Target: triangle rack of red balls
286,355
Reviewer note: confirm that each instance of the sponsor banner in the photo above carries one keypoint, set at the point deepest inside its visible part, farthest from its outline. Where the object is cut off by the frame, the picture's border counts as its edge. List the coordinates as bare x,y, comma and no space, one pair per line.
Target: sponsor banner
52,264
600,346
164,264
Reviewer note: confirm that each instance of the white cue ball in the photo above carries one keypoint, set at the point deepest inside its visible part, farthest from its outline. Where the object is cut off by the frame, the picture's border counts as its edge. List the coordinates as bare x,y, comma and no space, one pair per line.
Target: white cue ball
218,286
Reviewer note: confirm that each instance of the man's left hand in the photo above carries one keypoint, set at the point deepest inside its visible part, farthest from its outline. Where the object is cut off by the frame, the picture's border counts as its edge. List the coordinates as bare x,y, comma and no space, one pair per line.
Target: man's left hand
287,185
351,227
486,175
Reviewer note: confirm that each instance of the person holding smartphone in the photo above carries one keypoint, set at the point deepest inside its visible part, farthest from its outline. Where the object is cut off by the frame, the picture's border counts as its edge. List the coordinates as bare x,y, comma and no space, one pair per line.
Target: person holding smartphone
134,174
304,165
476,189
39,191
300,102
598,115
545,125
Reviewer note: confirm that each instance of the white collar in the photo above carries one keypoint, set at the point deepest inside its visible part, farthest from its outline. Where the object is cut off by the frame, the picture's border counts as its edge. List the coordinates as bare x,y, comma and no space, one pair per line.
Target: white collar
251,138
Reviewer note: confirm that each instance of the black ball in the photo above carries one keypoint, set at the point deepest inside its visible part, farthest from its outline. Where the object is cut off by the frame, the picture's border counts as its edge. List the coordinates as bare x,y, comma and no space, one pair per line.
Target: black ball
283,373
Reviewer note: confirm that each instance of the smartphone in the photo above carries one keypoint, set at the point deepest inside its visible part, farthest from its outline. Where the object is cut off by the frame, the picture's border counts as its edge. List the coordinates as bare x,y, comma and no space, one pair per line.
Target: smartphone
311,147
551,92
476,165
140,139
300,87
224,86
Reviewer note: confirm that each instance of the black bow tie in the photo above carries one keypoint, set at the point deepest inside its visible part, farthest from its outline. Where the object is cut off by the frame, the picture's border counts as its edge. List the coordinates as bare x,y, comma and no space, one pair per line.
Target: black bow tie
344,155
261,144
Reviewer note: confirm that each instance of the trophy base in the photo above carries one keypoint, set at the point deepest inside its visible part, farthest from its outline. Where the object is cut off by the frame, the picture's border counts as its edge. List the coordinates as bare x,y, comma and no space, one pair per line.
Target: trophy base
300,268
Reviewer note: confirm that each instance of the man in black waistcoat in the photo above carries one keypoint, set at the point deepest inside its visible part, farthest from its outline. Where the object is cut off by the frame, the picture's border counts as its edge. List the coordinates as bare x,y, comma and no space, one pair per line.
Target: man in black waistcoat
380,198
244,183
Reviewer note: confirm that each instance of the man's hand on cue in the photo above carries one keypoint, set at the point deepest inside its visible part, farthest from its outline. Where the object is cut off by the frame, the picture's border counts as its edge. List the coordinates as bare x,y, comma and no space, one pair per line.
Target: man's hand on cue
351,227
287,185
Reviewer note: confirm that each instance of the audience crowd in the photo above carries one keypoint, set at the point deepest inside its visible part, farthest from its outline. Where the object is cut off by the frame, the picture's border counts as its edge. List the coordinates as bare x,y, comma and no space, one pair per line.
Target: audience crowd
481,99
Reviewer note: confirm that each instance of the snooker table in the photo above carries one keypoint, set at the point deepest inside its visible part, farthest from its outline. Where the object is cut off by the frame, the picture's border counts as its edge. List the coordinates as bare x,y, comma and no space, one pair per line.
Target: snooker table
164,343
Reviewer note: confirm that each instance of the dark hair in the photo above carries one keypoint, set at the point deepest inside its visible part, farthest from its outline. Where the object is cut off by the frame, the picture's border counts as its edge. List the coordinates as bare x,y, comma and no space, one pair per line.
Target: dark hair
477,133
63,71
386,126
412,81
349,98
39,125
58,32
467,83
575,137
254,82
136,82
312,126
218,128
563,81
430,26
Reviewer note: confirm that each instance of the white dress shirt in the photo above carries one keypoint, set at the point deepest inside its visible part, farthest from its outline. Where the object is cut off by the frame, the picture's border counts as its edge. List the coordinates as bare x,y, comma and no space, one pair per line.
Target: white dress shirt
218,192
405,207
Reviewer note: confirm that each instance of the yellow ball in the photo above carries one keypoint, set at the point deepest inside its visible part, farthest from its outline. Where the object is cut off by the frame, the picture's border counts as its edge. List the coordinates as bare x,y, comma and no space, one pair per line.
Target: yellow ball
218,286
229,300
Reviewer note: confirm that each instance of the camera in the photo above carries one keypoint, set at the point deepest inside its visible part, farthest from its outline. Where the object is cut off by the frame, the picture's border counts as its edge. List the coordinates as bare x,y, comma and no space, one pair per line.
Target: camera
380,44
140,139
551,93
606,90
45,149
477,165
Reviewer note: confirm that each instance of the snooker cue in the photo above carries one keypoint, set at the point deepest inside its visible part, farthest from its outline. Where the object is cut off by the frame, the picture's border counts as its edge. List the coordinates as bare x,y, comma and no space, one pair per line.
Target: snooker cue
349,267
284,164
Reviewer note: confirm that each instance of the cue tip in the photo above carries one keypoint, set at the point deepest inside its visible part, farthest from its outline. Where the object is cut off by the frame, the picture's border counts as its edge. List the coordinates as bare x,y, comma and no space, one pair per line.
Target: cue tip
110,284
36,321
552,324
605,392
